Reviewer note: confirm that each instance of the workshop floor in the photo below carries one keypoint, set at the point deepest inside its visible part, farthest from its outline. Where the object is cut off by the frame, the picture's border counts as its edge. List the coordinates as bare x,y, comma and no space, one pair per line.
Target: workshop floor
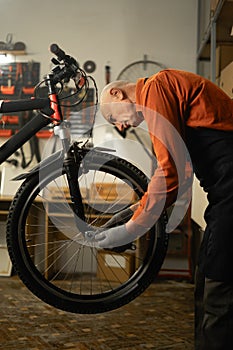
161,318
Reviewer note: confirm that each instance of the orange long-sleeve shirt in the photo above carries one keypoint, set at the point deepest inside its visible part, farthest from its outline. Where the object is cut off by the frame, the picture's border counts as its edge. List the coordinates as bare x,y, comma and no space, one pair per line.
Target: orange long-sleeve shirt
170,101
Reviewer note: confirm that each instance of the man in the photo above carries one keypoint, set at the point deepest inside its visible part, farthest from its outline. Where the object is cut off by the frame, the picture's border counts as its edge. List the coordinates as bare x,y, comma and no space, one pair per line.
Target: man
202,115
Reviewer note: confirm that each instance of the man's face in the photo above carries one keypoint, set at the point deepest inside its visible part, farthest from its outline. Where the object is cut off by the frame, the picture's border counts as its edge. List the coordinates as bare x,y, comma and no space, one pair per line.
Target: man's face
121,114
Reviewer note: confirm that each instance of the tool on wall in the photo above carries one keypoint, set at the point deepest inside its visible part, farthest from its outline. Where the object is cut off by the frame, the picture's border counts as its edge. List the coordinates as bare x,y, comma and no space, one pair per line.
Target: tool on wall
8,44
89,66
107,74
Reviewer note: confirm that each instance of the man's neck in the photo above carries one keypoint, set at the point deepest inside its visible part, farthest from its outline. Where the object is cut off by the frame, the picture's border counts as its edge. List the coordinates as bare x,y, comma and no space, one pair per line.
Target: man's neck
130,90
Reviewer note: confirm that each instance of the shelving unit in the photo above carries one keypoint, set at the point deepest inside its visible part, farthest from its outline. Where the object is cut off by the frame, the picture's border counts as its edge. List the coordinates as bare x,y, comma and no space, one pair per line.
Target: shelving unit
217,31
178,262
179,259
214,53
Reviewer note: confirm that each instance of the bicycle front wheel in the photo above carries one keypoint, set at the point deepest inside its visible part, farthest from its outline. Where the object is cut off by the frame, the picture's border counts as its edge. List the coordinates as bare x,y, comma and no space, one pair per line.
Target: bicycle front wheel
53,258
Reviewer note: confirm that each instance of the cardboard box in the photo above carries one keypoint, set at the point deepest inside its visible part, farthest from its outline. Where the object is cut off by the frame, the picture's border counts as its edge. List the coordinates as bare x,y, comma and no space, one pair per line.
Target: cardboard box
224,56
110,192
213,5
226,79
114,266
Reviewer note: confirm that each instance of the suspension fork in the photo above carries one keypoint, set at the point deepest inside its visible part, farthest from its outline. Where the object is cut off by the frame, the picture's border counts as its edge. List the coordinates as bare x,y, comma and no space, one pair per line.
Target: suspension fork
72,165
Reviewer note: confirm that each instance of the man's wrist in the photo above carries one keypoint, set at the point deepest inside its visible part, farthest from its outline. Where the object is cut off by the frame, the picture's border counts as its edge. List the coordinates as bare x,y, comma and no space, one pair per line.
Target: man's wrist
133,228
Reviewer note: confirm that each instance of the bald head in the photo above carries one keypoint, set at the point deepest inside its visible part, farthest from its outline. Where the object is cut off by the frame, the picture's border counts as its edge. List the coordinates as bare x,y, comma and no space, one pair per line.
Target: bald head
118,104
105,96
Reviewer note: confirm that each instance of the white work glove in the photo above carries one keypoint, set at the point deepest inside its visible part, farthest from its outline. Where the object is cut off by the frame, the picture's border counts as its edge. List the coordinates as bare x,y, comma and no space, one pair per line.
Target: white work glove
114,237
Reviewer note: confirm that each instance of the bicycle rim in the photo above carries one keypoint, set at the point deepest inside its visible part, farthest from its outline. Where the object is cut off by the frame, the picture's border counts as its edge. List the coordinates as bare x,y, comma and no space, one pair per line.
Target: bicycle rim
57,263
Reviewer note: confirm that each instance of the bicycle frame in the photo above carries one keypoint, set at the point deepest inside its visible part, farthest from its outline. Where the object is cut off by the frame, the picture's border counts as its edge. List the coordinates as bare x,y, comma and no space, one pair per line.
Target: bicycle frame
22,136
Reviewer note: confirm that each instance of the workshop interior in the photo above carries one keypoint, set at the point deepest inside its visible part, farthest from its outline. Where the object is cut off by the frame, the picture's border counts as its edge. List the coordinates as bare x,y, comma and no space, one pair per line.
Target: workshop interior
122,40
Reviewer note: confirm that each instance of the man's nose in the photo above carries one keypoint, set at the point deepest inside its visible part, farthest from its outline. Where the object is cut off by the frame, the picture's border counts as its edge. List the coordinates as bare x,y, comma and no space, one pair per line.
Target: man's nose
119,126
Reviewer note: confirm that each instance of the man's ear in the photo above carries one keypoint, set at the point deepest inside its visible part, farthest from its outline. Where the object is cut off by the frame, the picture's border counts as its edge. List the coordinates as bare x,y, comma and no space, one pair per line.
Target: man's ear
117,94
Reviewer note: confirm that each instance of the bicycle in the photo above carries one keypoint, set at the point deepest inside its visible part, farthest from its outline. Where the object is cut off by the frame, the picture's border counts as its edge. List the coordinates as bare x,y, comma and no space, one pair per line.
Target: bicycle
75,188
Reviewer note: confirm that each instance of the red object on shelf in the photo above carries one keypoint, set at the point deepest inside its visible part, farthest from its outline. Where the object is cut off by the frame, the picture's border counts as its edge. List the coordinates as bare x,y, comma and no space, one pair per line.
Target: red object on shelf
10,119
8,90
44,134
28,90
5,133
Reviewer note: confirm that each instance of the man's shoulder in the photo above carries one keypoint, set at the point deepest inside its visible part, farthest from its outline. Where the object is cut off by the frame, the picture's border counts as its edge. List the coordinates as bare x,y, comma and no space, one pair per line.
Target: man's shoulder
175,73
174,78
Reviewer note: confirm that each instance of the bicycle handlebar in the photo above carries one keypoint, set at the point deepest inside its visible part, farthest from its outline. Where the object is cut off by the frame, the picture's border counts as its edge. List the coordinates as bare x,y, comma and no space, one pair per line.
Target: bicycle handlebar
66,68
23,105
70,68
55,49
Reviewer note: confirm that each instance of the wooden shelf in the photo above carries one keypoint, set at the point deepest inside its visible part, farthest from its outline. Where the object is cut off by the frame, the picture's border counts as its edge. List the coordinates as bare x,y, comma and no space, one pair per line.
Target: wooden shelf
217,32
223,19
13,52
4,212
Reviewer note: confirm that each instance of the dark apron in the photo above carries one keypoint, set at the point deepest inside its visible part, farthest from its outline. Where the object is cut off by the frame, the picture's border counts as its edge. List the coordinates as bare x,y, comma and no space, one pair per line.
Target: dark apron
211,152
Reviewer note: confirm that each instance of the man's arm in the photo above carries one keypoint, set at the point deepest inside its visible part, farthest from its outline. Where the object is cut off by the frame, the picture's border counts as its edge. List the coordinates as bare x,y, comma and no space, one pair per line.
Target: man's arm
162,112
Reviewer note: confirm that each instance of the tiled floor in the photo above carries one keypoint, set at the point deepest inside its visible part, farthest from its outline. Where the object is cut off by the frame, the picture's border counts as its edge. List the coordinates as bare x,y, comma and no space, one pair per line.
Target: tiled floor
162,318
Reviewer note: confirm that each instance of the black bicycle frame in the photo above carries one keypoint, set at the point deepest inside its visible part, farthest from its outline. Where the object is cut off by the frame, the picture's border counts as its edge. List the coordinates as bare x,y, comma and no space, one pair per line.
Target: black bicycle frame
22,136
29,129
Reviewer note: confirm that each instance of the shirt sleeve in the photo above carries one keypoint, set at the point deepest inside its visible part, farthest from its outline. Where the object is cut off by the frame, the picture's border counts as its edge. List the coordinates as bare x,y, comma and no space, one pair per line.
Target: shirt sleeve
163,112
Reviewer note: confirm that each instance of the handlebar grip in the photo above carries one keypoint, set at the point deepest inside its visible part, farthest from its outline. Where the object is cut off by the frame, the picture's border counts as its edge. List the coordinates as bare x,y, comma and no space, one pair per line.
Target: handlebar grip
55,49
23,105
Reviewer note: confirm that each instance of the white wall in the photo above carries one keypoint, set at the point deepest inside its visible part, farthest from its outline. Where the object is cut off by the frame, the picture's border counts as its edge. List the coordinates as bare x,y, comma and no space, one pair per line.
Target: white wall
109,32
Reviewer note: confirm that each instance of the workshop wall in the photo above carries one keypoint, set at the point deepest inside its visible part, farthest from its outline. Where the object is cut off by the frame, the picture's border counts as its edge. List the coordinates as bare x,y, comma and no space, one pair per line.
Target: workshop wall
113,33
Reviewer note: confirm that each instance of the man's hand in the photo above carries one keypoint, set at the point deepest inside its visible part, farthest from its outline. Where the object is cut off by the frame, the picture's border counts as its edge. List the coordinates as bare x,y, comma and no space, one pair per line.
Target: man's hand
114,237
